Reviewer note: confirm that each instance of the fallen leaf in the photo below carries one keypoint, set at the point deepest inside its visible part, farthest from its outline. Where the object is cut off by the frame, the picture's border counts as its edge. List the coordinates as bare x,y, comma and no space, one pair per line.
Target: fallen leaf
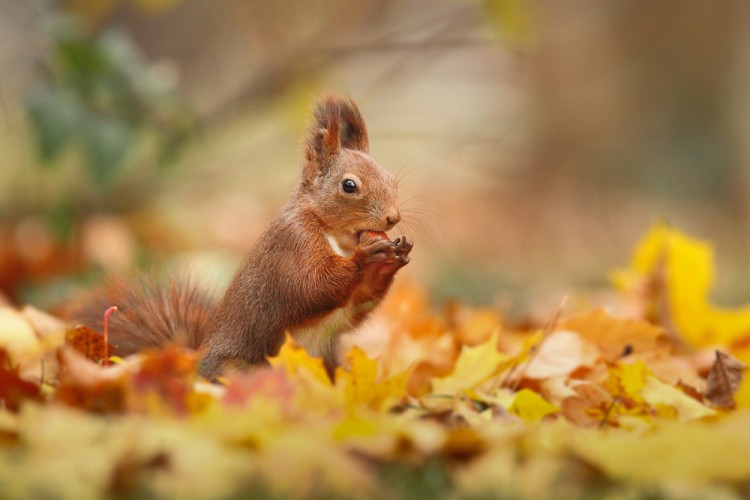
616,337
588,406
724,379
17,337
298,363
689,273
85,385
474,366
658,394
89,343
530,406
561,353
270,383
627,379
362,386
14,390
163,380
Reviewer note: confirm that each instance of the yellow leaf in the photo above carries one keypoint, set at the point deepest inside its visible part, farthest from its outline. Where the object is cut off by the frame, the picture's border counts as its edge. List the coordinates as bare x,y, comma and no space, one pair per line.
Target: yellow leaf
361,384
628,379
530,406
690,453
474,366
656,392
298,363
17,336
688,271
742,396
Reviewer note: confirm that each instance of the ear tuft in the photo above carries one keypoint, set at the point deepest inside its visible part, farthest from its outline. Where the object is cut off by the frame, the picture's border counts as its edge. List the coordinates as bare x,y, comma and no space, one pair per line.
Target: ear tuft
337,123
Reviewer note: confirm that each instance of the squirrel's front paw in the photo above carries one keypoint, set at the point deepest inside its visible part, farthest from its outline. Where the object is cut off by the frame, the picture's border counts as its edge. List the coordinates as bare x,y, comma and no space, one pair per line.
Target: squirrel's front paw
383,250
401,248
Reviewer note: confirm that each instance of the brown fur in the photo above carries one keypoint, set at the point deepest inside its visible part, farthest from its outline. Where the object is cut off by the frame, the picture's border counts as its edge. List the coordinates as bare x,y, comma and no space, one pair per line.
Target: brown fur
152,312
294,279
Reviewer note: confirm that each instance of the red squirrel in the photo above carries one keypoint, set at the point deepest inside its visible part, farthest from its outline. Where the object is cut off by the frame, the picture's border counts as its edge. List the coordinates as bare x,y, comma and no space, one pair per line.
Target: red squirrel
320,267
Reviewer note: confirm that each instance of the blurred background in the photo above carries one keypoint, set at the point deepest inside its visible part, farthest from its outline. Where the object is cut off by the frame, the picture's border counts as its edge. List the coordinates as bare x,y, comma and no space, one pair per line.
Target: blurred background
536,140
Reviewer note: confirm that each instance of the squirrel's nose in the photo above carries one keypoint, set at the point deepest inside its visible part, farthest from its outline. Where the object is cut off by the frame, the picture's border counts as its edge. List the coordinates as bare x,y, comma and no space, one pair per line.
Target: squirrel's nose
393,217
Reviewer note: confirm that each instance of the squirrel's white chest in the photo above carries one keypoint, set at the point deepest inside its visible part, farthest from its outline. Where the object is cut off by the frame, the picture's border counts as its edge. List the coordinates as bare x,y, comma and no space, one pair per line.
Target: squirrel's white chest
342,246
320,337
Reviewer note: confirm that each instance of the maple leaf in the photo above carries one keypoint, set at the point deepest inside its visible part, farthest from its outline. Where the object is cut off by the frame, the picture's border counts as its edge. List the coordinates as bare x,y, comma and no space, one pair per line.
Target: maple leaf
298,363
688,268
362,386
724,379
474,366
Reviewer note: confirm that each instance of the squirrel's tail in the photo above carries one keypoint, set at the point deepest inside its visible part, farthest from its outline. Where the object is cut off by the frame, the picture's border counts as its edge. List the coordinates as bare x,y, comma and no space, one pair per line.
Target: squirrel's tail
150,312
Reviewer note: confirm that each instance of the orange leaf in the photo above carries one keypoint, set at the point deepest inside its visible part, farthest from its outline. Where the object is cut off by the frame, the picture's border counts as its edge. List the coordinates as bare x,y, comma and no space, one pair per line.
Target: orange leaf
85,385
616,337
88,342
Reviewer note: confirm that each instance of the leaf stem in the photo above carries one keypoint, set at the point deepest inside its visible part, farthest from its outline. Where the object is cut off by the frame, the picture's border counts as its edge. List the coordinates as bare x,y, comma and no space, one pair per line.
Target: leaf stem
109,312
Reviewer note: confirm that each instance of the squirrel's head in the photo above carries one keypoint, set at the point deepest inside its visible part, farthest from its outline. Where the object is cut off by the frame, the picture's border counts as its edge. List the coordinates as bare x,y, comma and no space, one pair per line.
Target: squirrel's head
347,188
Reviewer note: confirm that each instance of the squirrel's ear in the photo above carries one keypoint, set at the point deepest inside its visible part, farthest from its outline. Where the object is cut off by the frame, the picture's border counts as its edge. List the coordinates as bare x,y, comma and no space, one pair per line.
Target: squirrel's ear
353,133
337,123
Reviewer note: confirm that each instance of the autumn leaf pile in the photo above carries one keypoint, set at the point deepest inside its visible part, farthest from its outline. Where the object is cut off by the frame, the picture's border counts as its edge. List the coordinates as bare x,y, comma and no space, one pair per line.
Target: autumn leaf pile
650,400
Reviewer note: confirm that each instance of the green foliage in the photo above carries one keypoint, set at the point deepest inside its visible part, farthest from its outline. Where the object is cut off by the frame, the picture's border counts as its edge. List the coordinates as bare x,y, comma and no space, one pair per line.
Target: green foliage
100,97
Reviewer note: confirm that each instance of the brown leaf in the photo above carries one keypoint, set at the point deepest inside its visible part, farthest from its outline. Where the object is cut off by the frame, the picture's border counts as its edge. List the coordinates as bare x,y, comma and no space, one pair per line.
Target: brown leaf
14,389
724,379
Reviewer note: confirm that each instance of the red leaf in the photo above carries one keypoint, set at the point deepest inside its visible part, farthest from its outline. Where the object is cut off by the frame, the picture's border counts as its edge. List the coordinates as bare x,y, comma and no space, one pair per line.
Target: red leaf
14,389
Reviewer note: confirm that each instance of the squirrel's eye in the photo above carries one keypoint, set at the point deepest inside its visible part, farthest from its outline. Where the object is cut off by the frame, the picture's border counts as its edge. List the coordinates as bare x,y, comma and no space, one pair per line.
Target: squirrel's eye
349,186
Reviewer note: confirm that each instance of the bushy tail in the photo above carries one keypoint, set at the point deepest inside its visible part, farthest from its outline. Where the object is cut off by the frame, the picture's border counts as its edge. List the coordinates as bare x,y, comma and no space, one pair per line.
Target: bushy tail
151,312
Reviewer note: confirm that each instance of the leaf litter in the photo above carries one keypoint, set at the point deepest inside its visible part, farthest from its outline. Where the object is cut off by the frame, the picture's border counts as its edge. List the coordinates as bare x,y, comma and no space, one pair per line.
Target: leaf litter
452,402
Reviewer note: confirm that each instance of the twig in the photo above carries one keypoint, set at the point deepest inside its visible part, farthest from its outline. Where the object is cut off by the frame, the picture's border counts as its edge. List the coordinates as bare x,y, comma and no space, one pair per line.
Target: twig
546,332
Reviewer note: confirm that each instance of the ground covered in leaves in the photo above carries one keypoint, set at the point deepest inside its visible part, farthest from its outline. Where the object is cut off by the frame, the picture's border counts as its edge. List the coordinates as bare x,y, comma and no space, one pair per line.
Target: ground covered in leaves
644,398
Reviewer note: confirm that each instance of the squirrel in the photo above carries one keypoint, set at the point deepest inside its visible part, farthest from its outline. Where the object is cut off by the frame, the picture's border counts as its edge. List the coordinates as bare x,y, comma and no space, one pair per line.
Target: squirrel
320,267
